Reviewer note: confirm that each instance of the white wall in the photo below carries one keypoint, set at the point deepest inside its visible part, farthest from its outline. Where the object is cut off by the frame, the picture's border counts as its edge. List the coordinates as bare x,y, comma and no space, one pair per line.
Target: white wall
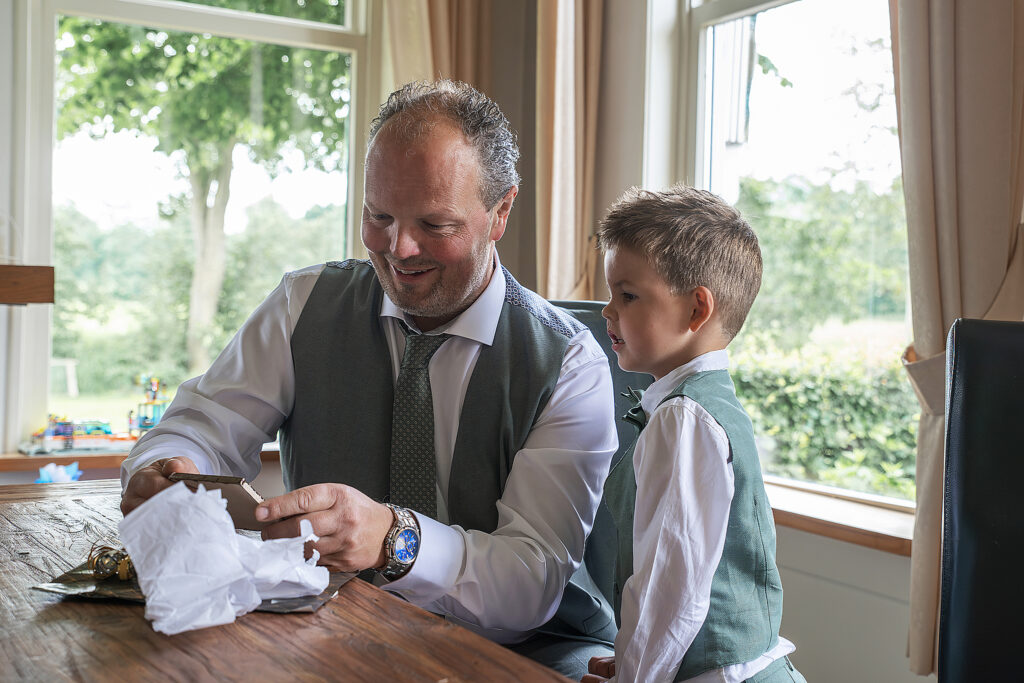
846,608
6,243
6,114
513,47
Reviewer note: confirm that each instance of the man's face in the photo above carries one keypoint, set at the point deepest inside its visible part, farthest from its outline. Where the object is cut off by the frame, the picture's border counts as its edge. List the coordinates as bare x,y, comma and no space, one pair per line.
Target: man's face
425,226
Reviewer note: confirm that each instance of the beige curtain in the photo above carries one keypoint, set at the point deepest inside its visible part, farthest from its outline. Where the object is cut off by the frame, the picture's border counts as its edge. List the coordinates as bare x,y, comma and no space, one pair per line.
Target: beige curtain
458,30
568,70
431,39
960,87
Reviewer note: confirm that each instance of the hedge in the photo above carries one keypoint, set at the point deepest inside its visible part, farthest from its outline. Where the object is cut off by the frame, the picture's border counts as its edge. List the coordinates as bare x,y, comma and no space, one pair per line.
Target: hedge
831,421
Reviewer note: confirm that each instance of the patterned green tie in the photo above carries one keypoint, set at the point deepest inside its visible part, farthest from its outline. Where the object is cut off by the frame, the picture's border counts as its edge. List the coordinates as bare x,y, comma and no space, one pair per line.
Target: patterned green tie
413,465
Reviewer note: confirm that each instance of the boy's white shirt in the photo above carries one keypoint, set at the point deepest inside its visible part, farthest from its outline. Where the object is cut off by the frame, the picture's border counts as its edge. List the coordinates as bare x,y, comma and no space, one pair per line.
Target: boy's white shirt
679,527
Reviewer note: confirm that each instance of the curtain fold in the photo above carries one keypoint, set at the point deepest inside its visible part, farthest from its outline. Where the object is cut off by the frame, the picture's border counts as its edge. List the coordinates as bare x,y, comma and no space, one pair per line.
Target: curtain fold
432,39
459,47
407,53
959,70
568,73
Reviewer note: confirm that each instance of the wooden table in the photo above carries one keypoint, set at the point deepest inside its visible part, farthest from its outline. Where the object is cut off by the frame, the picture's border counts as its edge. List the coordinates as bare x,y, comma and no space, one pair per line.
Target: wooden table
364,634
19,462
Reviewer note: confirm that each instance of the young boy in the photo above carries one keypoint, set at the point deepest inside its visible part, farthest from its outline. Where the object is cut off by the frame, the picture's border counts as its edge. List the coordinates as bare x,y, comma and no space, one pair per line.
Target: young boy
698,592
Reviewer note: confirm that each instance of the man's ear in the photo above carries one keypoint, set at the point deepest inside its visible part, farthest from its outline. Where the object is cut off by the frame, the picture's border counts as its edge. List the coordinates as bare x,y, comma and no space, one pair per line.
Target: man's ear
703,306
501,212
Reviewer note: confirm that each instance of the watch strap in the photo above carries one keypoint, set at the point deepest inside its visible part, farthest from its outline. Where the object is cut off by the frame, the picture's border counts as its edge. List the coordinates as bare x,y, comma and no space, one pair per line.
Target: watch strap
403,519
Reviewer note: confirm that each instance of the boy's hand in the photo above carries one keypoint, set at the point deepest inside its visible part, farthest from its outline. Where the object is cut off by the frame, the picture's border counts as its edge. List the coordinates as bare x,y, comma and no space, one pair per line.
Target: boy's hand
600,668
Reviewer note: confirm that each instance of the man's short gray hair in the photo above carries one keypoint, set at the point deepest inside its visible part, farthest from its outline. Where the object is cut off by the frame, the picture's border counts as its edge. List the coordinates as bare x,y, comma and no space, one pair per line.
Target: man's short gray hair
416,107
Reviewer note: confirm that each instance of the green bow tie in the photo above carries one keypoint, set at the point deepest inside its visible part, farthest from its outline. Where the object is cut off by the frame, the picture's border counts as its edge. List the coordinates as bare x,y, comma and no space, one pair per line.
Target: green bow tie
636,414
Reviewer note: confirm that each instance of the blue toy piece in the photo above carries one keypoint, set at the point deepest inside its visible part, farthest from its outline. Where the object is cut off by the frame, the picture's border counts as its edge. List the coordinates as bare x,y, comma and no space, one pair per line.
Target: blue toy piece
149,411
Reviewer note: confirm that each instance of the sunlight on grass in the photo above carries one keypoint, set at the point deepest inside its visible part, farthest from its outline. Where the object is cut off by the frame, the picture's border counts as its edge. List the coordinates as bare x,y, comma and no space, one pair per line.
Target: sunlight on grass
112,407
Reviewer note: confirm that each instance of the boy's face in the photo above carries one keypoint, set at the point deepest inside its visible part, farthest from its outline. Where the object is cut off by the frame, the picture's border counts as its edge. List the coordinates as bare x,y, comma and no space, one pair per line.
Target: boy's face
648,324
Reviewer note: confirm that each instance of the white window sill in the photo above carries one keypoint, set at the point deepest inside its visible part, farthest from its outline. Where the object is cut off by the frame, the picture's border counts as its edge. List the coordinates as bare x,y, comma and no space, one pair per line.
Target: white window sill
871,521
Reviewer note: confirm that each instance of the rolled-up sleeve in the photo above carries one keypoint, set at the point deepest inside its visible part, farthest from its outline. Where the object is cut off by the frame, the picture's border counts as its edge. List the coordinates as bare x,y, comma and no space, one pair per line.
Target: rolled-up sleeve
222,418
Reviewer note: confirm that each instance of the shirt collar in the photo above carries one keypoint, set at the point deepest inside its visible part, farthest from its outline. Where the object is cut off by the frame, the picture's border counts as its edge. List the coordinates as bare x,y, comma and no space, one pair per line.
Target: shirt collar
478,322
712,360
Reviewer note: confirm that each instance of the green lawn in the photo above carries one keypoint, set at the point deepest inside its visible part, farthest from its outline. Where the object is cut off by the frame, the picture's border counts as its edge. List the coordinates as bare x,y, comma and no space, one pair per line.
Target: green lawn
112,407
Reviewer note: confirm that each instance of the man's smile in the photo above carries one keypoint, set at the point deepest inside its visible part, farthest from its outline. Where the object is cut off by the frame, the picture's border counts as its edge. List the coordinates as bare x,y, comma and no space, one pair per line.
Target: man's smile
409,274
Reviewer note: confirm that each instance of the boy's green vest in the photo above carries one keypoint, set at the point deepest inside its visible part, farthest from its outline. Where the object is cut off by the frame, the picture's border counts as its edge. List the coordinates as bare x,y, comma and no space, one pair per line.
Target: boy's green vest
339,429
746,592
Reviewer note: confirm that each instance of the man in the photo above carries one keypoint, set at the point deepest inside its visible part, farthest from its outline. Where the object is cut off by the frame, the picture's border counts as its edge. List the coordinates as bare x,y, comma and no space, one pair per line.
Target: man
520,393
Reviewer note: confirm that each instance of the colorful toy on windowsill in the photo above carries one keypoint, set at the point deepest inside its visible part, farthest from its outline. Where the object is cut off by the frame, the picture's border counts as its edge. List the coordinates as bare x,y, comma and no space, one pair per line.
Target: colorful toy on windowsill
83,436
75,436
151,410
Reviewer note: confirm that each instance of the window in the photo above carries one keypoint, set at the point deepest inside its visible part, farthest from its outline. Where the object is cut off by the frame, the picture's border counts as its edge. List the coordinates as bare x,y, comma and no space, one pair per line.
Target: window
328,11
199,151
794,122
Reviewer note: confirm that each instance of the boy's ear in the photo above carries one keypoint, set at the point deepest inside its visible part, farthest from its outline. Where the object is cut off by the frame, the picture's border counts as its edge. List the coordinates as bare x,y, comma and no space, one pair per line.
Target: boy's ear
703,307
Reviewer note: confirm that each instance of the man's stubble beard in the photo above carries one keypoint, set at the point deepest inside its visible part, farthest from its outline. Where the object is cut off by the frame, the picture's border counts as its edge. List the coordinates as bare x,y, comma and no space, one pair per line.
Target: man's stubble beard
443,299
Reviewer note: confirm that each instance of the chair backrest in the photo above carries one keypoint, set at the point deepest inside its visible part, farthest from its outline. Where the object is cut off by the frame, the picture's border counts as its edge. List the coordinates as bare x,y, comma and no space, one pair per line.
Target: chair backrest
982,599
599,556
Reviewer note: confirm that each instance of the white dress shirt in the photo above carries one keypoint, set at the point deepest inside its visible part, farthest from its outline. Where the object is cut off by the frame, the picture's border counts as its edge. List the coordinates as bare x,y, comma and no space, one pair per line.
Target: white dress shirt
501,584
684,490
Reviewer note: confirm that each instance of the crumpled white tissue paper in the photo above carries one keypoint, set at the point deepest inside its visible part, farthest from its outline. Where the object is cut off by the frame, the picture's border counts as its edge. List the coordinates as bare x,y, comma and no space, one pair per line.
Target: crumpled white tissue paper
195,571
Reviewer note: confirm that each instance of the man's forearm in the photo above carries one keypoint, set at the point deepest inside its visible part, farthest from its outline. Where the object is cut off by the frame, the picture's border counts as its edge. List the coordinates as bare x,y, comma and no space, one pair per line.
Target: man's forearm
213,434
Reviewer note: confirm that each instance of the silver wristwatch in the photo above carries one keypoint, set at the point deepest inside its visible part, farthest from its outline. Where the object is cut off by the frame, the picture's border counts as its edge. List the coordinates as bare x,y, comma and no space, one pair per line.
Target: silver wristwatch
401,545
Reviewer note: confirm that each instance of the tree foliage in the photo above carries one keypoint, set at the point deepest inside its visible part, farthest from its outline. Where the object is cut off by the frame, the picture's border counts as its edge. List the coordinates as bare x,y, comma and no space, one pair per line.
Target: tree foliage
122,294
821,415
121,301
194,92
200,96
828,254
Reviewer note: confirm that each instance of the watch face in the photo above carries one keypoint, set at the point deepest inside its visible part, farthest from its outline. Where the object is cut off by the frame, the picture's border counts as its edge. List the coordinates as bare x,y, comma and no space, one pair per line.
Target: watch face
406,544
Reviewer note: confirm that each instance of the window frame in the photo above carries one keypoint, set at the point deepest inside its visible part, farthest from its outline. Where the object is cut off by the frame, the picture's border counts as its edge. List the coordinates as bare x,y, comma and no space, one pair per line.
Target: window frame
685,58
27,232
692,82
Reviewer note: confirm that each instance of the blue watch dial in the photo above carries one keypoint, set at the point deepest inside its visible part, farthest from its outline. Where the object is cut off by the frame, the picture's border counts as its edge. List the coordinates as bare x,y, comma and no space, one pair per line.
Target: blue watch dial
407,543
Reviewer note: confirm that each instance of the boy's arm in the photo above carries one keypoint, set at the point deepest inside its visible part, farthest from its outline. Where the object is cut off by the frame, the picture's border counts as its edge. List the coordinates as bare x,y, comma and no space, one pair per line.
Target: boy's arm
684,492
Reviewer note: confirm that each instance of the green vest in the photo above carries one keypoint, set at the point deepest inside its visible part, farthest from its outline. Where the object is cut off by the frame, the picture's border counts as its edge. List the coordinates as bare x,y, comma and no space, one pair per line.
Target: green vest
746,591
339,428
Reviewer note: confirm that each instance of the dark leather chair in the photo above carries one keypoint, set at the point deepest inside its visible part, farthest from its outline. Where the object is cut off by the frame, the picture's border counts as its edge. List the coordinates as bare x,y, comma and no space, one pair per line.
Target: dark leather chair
982,598
599,556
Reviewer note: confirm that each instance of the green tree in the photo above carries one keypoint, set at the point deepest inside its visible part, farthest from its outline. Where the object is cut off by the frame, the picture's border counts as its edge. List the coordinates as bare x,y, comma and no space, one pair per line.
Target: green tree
257,258
121,304
201,96
828,253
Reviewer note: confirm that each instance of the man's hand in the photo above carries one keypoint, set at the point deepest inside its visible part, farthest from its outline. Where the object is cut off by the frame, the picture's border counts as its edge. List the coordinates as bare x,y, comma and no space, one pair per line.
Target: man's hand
152,479
351,526
600,668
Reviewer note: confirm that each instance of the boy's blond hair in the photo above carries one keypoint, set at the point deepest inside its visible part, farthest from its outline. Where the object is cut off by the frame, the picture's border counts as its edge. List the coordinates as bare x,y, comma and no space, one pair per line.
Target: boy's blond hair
691,238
